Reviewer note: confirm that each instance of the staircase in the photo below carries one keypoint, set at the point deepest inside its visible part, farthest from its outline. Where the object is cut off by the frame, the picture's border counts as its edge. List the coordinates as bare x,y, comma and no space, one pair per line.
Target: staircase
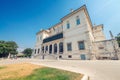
46,56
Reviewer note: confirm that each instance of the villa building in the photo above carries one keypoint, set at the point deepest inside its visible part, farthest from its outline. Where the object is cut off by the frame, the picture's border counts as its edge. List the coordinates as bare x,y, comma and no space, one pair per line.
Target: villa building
74,37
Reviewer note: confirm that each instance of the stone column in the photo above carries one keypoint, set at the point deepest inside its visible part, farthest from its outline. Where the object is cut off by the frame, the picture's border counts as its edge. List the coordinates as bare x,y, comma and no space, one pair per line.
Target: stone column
57,48
52,48
48,49
44,49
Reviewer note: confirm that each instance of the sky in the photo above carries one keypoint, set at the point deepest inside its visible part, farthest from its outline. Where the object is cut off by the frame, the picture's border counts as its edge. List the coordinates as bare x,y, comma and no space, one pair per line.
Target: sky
20,20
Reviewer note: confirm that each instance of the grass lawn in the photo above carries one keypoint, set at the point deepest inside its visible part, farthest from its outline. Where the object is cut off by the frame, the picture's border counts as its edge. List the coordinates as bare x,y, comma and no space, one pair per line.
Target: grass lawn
2,67
40,73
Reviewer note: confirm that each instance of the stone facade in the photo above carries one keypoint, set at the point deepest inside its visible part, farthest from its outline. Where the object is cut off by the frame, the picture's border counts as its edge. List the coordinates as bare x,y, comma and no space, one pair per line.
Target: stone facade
74,37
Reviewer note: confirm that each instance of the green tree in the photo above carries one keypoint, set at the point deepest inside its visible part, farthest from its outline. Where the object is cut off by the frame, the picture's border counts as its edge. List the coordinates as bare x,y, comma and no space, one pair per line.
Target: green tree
118,39
8,47
28,52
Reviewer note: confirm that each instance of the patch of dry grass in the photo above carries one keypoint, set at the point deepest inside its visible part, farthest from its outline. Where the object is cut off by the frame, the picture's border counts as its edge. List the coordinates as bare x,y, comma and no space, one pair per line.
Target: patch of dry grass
17,70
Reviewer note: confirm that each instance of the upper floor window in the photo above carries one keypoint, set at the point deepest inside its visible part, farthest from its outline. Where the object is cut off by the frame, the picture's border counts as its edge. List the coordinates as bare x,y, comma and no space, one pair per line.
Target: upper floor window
81,45
69,47
77,20
68,25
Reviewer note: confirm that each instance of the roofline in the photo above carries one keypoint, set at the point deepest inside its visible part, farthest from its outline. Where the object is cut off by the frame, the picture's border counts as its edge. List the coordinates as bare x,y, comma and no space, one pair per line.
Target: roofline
70,14
75,11
104,40
98,26
55,25
40,31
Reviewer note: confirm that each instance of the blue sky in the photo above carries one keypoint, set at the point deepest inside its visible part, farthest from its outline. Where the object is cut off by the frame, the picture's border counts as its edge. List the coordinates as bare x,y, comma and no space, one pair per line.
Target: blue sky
21,19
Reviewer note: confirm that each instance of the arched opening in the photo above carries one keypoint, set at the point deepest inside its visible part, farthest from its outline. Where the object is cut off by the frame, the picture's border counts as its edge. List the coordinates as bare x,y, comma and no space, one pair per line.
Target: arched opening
50,49
61,47
38,51
43,49
55,48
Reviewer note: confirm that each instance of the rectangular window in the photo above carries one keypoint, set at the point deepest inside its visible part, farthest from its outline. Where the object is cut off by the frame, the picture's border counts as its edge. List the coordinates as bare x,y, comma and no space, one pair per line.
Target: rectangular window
35,51
101,47
69,47
78,21
68,25
38,51
81,45
69,56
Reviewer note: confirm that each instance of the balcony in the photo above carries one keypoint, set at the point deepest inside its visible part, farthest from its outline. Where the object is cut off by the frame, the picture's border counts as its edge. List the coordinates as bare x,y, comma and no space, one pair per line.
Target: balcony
52,38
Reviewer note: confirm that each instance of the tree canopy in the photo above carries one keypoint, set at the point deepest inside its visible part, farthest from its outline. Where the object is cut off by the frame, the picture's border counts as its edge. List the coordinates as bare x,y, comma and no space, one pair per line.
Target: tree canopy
118,39
7,47
28,52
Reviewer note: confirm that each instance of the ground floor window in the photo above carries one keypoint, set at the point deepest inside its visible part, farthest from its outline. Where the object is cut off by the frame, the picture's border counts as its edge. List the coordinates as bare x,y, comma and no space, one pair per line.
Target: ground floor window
46,48
69,56
43,49
60,56
35,51
81,45
55,48
69,47
50,49
61,47
38,51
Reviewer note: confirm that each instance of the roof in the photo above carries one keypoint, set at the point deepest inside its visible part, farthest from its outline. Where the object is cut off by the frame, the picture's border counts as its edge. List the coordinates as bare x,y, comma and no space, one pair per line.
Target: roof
41,31
77,10
73,12
101,25
70,14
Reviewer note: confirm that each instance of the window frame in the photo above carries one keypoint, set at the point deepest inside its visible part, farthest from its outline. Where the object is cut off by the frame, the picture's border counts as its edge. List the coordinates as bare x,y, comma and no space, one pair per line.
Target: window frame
69,48
68,25
83,46
77,19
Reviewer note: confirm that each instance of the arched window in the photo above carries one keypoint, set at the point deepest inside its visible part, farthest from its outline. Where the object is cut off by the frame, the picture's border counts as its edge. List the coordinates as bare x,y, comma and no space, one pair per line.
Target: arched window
61,47
55,48
38,51
35,51
50,49
46,48
43,49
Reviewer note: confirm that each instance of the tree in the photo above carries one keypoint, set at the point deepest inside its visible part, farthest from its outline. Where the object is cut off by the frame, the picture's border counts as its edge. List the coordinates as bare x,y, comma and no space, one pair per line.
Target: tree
8,47
118,39
12,47
28,52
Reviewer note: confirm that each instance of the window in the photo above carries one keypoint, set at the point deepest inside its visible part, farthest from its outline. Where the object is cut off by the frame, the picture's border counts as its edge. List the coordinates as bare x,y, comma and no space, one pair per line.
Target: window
46,48
43,49
69,47
68,25
81,45
61,47
38,51
69,56
60,56
35,51
101,47
77,20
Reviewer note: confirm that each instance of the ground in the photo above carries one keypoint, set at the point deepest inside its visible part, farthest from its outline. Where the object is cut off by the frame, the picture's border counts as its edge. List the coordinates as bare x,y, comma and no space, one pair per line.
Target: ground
96,70
17,70
28,71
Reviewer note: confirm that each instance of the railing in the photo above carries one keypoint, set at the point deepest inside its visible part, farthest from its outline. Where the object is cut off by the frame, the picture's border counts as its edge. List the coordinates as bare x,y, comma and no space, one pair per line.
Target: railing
54,37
